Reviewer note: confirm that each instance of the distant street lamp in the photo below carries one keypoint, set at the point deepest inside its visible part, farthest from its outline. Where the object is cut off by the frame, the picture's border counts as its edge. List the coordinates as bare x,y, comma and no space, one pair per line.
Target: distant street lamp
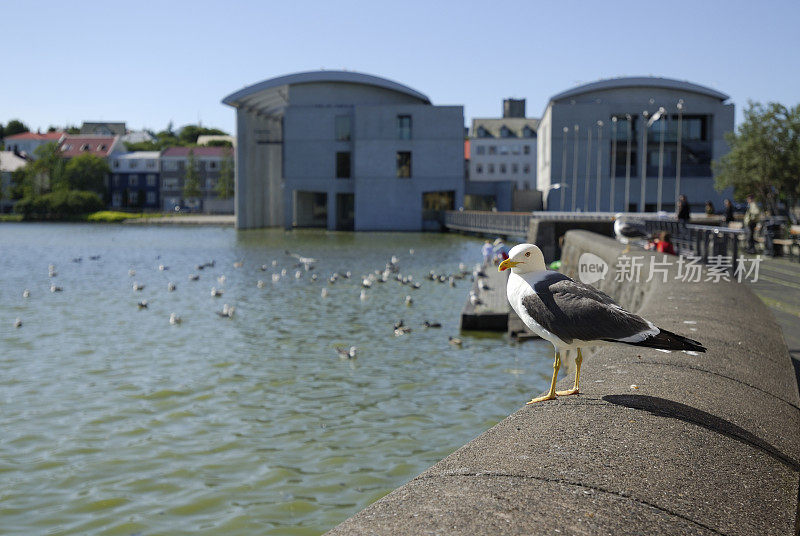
678,156
585,203
628,165
546,194
575,167
662,125
563,165
599,163
613,162
652,119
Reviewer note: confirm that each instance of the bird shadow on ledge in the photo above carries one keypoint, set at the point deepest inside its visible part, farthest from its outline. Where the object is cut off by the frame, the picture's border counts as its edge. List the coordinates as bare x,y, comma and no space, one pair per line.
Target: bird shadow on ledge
661,407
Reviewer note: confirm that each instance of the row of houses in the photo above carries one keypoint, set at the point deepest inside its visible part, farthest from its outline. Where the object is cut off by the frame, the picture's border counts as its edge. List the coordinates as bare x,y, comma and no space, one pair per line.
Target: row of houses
146,180
347,150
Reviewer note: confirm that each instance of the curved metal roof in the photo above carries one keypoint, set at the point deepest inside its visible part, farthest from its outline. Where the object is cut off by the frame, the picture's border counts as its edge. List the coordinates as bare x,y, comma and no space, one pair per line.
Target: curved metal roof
640,81
349,77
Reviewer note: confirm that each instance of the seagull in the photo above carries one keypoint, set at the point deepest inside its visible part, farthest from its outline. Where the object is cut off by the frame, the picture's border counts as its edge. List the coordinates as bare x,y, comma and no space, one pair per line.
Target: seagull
137,286
17,323
307,262
431,324
474,299
161,267
324,293
26,293
409,301
215,292
572,315
174,319
260,284
227,311
194,277
171,286
626,231
455,341
347,353
55,288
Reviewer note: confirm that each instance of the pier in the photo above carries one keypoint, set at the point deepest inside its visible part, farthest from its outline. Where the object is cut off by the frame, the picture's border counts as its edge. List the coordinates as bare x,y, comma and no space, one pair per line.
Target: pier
656,443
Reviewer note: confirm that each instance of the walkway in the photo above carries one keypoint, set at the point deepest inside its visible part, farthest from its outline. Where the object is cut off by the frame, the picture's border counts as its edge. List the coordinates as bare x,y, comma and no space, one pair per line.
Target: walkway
778,286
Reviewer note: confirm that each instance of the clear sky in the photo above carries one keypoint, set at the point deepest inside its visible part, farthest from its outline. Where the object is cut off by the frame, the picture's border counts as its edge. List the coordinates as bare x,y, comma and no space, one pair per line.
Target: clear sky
151,62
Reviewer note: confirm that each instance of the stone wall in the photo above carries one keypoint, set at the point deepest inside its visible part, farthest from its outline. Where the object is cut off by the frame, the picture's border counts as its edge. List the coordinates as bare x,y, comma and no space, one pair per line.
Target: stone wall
656,443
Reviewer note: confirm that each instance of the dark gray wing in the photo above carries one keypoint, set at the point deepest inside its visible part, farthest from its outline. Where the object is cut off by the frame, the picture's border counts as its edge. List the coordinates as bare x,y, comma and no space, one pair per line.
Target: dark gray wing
572,310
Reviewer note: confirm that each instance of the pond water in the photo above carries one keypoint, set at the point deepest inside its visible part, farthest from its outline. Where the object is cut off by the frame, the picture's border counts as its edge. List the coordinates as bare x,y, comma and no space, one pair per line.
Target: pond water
115,421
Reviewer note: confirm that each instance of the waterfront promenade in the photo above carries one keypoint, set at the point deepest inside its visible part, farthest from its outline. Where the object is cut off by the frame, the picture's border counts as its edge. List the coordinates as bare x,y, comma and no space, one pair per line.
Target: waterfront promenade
657,443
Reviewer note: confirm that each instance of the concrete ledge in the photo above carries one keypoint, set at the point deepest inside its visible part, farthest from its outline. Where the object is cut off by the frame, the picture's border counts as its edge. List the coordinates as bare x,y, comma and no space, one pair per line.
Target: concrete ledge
707,444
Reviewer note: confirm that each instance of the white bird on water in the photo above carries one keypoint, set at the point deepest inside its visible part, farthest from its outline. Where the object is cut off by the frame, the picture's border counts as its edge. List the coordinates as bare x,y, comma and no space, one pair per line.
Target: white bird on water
572,315
174,319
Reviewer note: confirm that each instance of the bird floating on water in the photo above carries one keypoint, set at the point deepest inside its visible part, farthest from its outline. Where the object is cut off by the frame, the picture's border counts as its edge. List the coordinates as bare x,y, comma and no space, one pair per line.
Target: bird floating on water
142,304
137,286
572,315
260,284
171,286
455,341
216,292
55,288
26,293
194,277
17,323
347,353
431,324
409,301
227,311
174,319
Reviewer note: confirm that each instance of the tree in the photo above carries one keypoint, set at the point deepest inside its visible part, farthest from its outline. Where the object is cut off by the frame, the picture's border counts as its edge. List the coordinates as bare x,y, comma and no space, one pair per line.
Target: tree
191,182
190,133
39,177
226,183
15,126
764,157
86,172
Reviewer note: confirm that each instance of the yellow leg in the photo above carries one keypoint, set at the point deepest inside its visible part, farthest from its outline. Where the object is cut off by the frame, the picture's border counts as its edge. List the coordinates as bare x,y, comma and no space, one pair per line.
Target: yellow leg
551,394
574,390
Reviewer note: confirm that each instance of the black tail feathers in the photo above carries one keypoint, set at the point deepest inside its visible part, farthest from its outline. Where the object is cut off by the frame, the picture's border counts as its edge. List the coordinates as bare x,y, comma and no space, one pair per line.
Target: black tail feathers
666,340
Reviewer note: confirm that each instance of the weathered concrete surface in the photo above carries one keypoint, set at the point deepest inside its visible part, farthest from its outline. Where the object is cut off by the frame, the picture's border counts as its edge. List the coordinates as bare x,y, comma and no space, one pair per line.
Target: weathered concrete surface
185,219
706,444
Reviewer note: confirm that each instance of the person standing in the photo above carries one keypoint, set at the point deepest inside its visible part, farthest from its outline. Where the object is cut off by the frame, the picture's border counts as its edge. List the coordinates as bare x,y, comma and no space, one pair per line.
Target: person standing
683,211
487,251
751,218
728,212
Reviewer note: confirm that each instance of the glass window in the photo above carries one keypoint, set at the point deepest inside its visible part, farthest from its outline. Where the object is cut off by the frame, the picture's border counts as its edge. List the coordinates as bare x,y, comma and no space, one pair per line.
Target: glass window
479,168
404,164
151,164
526,149
515,149
133,180
132,164
504,149
116,163
151,198
343,165
514,168
343,128
502,168
526,168
212,165
133,197
480,149
403,127
116,180
491,168
492,149
151,180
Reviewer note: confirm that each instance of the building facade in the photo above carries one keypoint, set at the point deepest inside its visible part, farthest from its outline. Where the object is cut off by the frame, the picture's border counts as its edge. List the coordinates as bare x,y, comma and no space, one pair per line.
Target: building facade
615,145
504,149
344,150
135,180
26,143
209,166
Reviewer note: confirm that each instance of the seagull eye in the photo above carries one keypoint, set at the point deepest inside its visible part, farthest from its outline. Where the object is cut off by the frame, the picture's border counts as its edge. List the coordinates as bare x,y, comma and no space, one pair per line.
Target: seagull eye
527,253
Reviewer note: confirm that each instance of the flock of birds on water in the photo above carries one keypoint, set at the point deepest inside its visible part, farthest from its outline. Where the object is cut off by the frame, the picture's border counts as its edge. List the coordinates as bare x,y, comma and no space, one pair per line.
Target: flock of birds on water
303,265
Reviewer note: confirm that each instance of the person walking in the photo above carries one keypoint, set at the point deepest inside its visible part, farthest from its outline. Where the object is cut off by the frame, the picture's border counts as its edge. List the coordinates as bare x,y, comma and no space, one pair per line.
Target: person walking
751,218
683,211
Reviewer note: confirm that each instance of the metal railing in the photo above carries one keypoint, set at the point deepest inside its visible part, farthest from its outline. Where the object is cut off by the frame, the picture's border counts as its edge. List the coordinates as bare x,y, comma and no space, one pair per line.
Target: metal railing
477,221
703,241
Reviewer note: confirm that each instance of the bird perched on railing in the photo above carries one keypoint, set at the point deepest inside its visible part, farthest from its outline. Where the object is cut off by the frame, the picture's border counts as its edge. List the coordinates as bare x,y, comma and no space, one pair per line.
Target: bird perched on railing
628,230
572,315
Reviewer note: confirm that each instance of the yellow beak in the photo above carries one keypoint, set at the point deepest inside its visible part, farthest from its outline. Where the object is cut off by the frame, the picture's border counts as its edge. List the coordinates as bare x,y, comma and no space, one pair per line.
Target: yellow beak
506,264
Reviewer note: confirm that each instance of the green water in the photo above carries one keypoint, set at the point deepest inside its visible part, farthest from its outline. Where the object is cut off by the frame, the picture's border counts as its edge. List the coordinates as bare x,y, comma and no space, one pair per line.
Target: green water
114,421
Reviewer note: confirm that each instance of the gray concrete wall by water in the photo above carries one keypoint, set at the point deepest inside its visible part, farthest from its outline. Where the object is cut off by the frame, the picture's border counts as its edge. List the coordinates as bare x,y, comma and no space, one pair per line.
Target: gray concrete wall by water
657,443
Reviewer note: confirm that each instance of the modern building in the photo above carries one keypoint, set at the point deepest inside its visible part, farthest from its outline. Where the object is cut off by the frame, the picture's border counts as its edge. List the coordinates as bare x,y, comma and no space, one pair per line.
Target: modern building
344,150
103,128
135,180
209,164
597,141
504,149
26,143
9,163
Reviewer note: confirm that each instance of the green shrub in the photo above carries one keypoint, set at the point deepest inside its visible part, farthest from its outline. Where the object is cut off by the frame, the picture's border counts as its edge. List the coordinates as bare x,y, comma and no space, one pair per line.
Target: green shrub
60,205
111,216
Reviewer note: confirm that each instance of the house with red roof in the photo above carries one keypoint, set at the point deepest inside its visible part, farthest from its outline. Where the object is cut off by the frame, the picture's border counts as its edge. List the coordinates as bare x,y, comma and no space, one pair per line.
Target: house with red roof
73,145
26,143
208,162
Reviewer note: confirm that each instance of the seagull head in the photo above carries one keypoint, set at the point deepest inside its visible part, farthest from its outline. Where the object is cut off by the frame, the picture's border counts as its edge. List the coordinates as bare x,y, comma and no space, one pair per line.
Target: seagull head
524,258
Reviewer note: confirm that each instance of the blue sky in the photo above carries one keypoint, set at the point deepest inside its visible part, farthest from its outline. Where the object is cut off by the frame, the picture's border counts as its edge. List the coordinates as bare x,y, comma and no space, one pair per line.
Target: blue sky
148,63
